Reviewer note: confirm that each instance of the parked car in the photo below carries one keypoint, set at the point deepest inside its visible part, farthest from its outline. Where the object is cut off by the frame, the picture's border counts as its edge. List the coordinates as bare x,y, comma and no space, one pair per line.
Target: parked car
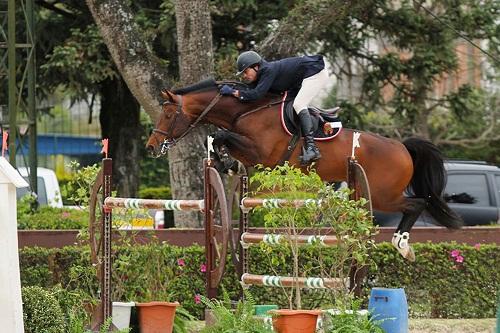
472,190
49,193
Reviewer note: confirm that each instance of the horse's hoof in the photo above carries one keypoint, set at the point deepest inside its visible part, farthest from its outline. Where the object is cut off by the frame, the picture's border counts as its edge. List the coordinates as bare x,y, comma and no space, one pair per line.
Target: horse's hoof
407,253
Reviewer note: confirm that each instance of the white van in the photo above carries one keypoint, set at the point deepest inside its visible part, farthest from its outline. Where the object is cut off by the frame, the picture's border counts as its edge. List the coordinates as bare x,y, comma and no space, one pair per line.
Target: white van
49,193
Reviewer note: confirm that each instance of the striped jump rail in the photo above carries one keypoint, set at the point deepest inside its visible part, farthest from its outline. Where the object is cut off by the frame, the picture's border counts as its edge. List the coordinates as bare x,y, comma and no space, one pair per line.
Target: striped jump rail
288,282
249,203
112,202
248,239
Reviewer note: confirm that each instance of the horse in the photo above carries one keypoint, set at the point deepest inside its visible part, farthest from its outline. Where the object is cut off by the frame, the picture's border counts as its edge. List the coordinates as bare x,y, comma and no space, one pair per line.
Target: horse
407,177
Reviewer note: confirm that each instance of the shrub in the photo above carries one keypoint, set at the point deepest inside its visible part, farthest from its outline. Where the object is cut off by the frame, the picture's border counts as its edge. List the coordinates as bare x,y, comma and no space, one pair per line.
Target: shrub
327,209
41,311
239,319
436,284
52,218
162,192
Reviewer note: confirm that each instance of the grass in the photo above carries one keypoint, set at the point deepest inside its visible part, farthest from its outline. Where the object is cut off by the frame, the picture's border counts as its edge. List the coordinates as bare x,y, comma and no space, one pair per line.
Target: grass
452,325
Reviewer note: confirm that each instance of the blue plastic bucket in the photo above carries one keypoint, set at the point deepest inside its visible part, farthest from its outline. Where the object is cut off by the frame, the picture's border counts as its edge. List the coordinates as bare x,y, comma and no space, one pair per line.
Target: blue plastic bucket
390,306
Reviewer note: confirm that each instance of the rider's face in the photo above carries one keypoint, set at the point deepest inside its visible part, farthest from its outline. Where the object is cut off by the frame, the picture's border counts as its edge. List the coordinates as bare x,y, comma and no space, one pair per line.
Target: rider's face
250,74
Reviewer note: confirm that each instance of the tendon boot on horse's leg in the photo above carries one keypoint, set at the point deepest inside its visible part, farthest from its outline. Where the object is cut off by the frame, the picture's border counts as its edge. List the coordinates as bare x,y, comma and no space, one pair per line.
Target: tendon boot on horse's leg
400,239
310,152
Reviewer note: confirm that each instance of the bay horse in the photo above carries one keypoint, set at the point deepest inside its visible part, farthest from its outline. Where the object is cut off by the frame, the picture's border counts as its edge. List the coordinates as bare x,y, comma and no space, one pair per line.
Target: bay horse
255,136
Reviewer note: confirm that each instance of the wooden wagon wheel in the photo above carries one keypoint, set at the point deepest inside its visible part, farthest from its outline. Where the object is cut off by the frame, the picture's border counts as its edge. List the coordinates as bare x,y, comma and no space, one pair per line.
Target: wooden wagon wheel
233,205
216,209
95,205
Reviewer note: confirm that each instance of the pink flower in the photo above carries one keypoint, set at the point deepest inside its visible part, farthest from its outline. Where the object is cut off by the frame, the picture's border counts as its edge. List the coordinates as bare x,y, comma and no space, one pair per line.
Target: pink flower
459,259
477,246
181,262
65,215
203,268
455,253
197,299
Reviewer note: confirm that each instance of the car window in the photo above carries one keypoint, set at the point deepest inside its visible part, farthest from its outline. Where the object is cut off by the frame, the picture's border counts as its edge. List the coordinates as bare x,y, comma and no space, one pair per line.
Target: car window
42,193
467,189
497,179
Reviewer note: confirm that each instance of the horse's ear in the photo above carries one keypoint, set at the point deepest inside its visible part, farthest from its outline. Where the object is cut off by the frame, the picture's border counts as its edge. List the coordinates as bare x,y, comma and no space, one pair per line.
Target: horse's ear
167,95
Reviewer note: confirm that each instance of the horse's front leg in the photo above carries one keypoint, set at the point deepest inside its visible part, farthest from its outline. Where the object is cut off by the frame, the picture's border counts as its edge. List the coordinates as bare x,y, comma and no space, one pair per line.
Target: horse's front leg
235,146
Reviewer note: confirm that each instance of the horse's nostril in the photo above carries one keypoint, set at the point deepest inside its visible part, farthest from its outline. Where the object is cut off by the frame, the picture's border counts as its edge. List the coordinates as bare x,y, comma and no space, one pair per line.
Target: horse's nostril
150,149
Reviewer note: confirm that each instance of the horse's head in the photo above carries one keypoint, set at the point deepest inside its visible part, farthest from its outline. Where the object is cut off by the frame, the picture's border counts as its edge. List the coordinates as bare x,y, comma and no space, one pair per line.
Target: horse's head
172,124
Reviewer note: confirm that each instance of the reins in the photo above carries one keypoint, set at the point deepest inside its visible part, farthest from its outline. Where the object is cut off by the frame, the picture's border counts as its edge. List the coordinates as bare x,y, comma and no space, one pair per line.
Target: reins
171,128
247,113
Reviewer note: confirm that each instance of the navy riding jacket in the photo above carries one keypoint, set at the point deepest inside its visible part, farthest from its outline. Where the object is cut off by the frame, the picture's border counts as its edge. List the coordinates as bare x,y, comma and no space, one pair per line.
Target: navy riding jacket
283,75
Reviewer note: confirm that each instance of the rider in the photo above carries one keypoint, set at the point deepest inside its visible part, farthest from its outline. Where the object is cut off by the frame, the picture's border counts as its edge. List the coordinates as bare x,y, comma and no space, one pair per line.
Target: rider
302,77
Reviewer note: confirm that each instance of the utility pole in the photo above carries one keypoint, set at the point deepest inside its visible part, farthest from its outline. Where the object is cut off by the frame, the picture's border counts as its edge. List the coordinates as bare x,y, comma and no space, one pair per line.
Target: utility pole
16,90
11,55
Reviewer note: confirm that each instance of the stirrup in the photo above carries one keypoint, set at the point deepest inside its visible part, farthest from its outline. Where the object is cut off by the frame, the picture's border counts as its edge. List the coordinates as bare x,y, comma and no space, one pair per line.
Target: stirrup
315,157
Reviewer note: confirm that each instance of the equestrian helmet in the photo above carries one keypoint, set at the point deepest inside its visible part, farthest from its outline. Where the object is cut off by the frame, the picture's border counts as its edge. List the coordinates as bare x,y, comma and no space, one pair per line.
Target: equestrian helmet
247,59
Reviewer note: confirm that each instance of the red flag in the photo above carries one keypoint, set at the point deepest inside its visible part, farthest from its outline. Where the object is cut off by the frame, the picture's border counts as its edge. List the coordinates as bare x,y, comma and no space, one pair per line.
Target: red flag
5,135
105,147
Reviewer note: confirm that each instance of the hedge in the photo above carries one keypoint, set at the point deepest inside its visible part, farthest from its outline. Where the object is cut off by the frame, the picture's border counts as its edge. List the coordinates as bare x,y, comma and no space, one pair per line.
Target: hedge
41,311
446,281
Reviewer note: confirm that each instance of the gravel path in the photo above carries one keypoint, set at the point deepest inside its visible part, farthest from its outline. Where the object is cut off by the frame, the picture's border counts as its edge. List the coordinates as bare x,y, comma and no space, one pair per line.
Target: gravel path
452,325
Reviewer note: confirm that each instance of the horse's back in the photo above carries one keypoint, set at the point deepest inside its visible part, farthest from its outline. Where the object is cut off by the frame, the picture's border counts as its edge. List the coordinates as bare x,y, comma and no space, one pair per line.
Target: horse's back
387,163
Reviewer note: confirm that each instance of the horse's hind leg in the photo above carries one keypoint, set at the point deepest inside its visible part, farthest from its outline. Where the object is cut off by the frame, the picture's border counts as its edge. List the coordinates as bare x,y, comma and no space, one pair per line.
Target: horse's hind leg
413,209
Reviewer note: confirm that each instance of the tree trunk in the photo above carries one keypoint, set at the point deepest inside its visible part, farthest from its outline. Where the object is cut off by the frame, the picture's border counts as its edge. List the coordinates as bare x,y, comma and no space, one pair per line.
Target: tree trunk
136,63
194,38
120,123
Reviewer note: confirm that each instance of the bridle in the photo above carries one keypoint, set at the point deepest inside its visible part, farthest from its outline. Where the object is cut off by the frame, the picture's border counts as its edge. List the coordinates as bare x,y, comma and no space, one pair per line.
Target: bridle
170,142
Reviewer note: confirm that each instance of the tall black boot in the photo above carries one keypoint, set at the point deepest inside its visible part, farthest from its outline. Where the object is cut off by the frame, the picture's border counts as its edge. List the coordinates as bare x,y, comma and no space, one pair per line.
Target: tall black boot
310,152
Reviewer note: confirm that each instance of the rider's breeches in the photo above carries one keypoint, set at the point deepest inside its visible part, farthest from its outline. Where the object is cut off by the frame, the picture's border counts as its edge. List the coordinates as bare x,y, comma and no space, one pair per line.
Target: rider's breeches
311,86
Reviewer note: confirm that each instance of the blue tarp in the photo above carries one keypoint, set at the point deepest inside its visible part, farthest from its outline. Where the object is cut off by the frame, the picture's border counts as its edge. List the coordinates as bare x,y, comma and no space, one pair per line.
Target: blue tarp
56,144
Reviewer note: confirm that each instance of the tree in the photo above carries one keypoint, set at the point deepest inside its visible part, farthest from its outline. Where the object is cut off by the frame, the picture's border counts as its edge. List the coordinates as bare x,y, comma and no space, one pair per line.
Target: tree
142,71
78,61
194,38
404,50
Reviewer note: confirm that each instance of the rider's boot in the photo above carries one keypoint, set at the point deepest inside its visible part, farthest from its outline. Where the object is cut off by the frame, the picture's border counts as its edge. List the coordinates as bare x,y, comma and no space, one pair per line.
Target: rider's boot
310,152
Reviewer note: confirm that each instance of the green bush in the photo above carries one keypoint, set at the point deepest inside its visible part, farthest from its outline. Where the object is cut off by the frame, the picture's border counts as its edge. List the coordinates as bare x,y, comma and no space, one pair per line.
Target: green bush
436,284
49,217
41,311
52,218
439,286
162,192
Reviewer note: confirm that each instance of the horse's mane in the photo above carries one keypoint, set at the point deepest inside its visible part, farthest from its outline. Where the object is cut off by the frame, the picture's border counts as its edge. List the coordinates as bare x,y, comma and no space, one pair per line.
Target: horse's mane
207,85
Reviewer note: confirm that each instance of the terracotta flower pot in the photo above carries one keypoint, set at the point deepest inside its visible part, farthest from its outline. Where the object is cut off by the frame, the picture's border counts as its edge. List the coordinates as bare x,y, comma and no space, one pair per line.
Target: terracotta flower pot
295,321
156,317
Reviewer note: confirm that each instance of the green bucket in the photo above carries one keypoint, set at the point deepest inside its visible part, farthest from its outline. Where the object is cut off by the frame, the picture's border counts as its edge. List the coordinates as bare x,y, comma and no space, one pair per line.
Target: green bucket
261,310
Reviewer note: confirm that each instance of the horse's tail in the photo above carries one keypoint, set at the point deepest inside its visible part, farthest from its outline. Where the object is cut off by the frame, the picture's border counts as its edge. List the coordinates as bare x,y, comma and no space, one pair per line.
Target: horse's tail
429,180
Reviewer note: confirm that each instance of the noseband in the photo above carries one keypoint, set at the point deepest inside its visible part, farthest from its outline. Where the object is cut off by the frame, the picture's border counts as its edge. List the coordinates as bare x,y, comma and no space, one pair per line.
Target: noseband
169,142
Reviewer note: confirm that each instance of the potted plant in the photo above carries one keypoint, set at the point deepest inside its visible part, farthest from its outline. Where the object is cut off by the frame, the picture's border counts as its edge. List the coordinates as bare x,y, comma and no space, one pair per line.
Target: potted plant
150,285
329,211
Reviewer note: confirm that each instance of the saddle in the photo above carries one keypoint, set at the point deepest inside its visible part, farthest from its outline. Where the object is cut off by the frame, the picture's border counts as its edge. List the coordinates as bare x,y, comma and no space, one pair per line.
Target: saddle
326,122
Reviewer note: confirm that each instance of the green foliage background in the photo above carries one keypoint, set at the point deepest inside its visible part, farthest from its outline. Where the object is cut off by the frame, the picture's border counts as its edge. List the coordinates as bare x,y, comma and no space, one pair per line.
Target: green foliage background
436,286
